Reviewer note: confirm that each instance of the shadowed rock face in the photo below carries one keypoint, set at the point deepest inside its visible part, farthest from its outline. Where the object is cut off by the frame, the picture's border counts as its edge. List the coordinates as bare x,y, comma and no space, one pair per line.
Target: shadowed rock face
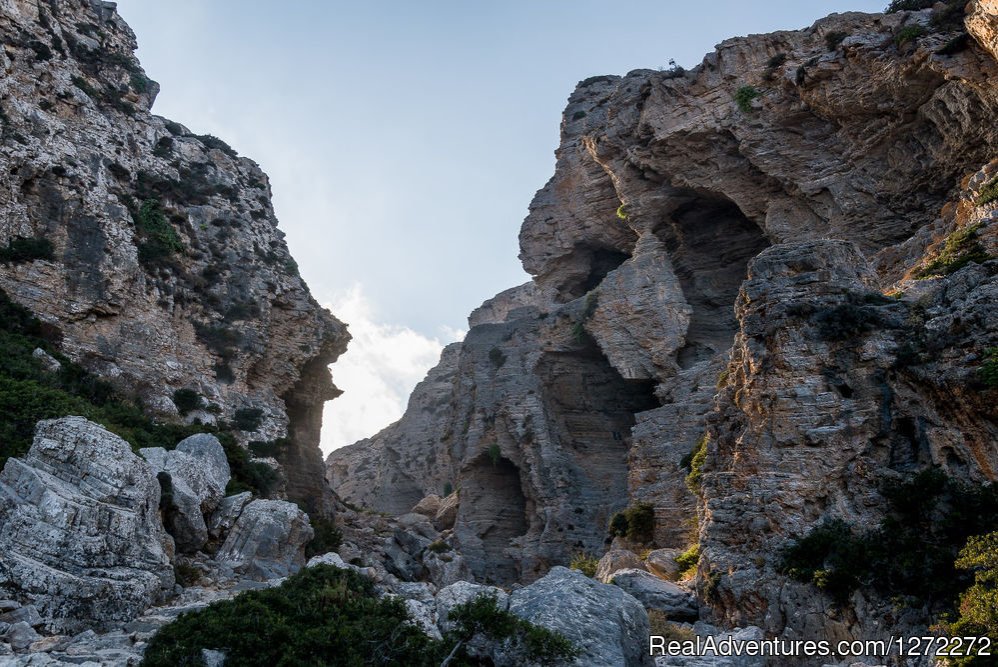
225,313
708,272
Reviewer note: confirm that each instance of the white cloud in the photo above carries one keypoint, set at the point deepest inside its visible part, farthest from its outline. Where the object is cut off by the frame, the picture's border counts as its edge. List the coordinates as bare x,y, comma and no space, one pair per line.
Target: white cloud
377,373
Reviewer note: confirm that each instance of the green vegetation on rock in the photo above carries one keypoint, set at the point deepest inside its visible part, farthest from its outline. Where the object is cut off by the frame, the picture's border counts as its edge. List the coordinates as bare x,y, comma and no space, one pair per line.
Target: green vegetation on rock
584,563
636,523
327,616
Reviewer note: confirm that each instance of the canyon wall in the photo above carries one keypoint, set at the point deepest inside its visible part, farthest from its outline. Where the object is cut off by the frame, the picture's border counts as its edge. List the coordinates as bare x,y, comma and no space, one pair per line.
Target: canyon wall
784,256
151,254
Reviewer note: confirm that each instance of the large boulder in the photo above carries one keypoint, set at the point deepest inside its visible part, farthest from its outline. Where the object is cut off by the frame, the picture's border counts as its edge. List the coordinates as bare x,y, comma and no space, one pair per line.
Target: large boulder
198,473
663,563
605,622
80,535
267,541
655,593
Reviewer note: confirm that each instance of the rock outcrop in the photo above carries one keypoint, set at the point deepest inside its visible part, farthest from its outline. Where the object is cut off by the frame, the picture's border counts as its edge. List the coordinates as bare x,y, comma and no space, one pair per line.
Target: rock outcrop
80,536
267,541
781,261
154,255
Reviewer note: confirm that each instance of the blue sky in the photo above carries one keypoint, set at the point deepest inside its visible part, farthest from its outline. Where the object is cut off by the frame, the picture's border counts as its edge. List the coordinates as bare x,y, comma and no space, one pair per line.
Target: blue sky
404,140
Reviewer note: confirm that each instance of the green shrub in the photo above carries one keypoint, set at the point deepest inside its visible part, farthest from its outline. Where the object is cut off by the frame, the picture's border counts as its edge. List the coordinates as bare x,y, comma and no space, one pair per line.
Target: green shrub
327,537
834,38
636,523
439,547
688,560
247,475
20,250
584,563
622,212
907,34
988,193
494,453
481,616
694,462
322,615
908,5
327,616
955,45
247,419
187,400
989,368
978,608
744,97
961,248
140,82
212,142
269,448
158,239
911,553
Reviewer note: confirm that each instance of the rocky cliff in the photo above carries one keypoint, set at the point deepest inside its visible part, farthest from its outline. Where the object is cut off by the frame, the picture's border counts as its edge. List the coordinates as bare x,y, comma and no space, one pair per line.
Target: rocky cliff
151,254
778,264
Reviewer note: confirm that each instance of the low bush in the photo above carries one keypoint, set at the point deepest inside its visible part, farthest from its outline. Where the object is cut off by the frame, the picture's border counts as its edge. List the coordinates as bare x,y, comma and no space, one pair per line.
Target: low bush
497,357
327,616
584,563
158,240
693,462
907,34
688,560
247,419
911,553
744,97
988,193
978,608
187,400
908,5
327,536
959,249
636,523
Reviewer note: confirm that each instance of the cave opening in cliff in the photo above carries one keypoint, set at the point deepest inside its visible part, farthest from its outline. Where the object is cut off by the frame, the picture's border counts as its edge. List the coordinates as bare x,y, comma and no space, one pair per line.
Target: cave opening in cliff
494,507
711,243
594,263
591,409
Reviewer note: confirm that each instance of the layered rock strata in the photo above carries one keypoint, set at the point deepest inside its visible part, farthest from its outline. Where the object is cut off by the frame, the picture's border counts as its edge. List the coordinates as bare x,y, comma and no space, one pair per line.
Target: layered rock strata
155,259
825,167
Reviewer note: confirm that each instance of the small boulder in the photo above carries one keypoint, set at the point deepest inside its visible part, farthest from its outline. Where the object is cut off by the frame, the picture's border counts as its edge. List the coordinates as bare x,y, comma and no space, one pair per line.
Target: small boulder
428,506
464,591
198,473
224,517
21,635
447,514
606,623
446,567
655,593
616,559
662,562
29,614
267,541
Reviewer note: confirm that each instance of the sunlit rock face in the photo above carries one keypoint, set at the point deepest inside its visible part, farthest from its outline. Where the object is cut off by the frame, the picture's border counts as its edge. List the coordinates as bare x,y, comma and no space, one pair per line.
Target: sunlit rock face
167,269
709,265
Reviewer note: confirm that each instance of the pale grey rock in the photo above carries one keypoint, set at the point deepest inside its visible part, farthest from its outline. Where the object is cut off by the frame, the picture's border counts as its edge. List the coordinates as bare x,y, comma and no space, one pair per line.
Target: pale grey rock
711,660
447,514
212,658
9,605
446,568
28,613
678,603
5,649
80,536
50,363
267,541
428,506
605,622
198,473
424,616
224,517
21,635
614,560
662,562
146,330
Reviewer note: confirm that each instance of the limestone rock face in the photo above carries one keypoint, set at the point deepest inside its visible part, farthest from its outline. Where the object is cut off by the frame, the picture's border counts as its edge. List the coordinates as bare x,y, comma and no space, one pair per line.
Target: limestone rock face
89,169
606,623
198,473
715,273
655,593
80,536
267,541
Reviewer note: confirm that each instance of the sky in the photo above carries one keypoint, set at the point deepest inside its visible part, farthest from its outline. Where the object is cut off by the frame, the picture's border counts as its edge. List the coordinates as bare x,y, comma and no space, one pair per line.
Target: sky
404,140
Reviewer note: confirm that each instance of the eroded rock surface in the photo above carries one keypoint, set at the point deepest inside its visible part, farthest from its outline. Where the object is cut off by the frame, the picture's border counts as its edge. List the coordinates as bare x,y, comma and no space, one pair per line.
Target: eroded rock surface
80,536
267,541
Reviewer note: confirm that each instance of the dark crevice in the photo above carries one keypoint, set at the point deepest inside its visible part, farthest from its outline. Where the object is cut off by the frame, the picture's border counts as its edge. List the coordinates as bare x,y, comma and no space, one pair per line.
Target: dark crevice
598,262
493,505
711,243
